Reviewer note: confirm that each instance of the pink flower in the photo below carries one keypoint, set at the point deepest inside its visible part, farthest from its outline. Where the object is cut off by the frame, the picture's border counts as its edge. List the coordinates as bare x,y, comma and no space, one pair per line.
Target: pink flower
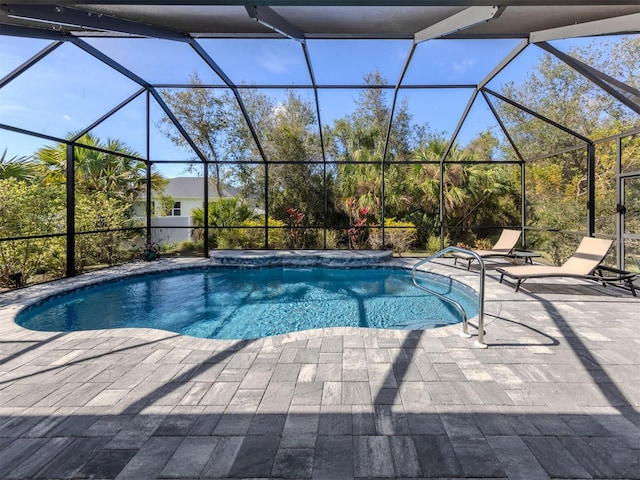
364,211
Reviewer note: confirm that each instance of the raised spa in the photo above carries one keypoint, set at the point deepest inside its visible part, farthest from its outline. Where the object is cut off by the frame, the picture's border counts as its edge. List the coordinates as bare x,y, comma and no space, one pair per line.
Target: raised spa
232,303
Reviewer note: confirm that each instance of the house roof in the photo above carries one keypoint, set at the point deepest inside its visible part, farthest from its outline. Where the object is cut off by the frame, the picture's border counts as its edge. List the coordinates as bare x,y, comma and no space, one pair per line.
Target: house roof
192,187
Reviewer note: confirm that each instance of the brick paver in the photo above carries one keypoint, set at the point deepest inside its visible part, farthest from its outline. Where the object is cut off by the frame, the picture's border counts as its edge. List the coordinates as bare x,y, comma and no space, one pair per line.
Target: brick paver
555,395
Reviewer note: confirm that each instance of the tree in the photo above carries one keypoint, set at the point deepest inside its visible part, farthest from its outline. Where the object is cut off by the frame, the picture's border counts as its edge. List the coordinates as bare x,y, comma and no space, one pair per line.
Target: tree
30,210
108,178
562,94
606,184
208,118
20,168
557,186
362,135
474,194
109,217
296,177
361,138
292,140
483,147
107,167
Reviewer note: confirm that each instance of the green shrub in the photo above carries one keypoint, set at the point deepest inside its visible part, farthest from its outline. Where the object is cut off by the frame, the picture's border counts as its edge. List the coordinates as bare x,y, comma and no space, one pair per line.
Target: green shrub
433,243
223,212
250,235
333,241
98,211
399,236
31,210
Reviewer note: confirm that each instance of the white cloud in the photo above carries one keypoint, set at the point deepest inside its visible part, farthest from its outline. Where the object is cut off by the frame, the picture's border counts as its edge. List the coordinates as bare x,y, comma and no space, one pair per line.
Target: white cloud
275,63
66,117
464,65
13,108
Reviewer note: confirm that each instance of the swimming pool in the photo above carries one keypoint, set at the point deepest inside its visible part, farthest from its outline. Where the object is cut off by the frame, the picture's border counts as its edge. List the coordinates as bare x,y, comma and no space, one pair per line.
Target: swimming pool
233,303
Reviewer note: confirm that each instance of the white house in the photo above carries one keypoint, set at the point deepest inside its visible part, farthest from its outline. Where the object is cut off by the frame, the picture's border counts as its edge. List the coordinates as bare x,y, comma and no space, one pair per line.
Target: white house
187,194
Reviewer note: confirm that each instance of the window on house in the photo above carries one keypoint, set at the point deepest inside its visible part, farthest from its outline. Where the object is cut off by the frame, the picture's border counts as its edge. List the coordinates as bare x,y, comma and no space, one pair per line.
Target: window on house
175,211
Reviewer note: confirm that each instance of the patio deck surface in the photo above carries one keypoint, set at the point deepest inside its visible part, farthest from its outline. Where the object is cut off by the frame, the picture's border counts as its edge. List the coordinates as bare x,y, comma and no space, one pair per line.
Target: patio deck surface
555,395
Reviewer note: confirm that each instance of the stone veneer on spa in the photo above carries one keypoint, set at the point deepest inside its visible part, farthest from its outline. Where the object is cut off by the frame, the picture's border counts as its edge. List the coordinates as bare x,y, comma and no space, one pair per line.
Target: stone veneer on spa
328,258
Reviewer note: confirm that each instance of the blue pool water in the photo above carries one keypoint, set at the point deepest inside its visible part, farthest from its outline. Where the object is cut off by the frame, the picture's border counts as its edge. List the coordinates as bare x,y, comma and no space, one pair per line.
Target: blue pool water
254,303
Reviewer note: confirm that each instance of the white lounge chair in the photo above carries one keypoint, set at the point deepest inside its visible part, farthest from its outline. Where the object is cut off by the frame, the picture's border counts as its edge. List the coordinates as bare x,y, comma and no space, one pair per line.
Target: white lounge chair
584,264
503,248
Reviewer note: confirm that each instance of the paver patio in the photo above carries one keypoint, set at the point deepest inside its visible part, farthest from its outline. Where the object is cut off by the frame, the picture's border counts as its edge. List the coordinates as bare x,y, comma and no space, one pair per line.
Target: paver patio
556,395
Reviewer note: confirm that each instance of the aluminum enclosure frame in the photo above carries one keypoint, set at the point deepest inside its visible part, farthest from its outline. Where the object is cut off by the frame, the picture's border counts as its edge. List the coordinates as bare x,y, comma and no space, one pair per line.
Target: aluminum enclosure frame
80,18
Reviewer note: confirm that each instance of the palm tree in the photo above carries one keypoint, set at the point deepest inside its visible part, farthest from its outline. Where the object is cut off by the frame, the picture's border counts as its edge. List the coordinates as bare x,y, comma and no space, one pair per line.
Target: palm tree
456,177
107,167
21,168
473,192
360,181
223,212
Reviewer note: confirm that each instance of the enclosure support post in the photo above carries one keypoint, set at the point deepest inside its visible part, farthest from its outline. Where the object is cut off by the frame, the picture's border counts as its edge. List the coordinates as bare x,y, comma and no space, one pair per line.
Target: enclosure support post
523,203
591,189
325,210
266,206
619,206
148,165
71,211
325,206
148,202
382,210
205,208
441,202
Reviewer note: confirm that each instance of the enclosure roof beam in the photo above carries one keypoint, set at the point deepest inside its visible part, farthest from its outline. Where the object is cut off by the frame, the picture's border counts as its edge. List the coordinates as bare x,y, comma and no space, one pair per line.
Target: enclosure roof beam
59,15
30,32
312,75
607,26
52,139
456,132
467,18
555,153
143,83
503,63
29,63
538,116
270,19
111,112
495,71
395,100
24,131
609,84
225,78
502,126
94,52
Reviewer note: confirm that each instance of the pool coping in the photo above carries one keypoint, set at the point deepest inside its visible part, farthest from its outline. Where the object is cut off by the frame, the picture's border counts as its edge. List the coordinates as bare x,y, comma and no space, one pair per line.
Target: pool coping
14,301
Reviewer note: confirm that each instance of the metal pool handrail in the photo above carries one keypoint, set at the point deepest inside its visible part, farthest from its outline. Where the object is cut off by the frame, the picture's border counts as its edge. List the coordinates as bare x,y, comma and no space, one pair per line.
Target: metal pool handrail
465,329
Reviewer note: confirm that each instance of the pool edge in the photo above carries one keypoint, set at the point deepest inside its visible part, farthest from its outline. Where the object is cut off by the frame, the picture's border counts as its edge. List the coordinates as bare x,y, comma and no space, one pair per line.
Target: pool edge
14,302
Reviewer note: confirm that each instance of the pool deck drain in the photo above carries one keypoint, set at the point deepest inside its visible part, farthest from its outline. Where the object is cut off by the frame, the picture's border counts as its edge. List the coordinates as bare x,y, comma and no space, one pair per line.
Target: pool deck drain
555,396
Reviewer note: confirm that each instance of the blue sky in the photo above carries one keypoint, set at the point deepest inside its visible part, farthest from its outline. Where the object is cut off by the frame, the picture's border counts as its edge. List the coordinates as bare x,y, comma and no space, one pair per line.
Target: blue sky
59,95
